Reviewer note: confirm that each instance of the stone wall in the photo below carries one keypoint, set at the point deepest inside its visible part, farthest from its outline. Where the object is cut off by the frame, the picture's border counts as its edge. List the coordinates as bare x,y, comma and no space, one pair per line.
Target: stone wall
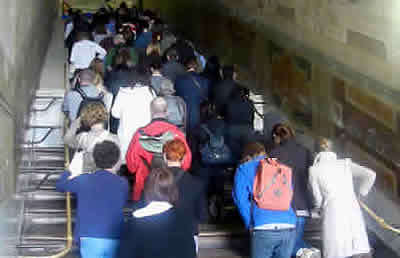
331,65
25,30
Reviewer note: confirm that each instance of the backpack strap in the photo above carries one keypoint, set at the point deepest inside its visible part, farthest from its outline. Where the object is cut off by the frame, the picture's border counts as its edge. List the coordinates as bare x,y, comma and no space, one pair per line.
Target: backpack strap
207,130
85,96
196,82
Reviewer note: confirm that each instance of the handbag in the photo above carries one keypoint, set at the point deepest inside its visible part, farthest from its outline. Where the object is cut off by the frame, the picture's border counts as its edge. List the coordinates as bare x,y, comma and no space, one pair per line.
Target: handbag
77,163
215,151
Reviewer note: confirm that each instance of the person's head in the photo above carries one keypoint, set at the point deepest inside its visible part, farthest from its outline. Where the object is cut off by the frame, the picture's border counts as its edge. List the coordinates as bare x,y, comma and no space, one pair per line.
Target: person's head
174,151
212,66
191,63
323,144
228,72
251,151
282,133
122,59
82,35
119,40
156,37
158,108
94,113
100,29
107,156
160,186
156,63
153,49
167,88
86,77
172,55
145,25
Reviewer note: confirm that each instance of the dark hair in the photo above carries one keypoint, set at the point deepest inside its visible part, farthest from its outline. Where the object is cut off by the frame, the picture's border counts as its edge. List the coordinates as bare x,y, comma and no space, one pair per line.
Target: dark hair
122,58
100,29
191,63
283,131
212,65
106,154
156,62
252,150
228,71
173,54
81,35
160,186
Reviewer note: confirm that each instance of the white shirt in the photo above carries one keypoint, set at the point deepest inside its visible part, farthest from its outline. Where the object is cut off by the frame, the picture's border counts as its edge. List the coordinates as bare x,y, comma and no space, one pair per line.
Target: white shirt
132,107
84,51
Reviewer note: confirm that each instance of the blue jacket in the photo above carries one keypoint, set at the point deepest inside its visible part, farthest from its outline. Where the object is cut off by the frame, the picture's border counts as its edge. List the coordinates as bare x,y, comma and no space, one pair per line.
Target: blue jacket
101,197
194,89
242,194
143,40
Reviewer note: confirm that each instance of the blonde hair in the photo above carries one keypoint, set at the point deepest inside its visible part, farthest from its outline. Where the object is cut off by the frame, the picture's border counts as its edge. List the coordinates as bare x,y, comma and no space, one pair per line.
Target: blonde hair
153,48
94,113
324,144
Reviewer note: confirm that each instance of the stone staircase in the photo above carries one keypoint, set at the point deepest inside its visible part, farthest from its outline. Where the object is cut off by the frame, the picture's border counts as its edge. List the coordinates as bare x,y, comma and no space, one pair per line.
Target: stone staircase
43,227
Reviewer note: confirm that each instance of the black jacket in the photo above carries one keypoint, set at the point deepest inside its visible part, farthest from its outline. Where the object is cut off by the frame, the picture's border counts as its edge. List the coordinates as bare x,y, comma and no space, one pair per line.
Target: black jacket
172,70
299,159
166,235
192,197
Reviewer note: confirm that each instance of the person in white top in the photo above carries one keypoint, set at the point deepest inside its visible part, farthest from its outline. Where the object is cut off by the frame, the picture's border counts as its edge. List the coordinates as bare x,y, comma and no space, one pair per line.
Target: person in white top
84,51
132,107
331,180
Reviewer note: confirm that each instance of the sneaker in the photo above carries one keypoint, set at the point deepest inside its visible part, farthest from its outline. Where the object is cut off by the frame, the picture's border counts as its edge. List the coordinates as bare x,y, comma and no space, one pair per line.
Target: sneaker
308,253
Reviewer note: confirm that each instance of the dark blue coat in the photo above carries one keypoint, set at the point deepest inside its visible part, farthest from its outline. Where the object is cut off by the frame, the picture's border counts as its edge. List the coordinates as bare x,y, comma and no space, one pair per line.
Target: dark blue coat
194,94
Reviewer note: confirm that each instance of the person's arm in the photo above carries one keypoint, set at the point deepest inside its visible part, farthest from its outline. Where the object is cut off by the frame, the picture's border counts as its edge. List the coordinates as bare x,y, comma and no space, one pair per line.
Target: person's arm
241,193
65,105
65,184
365,176
100,51
132,157
117,107
70,138
315,189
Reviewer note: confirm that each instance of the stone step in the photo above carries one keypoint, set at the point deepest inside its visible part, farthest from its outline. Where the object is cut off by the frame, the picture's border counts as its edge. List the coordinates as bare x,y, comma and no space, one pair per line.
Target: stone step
41,195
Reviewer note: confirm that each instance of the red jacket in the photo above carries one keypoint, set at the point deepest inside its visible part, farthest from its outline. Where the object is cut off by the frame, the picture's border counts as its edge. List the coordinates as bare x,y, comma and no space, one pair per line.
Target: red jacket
135,152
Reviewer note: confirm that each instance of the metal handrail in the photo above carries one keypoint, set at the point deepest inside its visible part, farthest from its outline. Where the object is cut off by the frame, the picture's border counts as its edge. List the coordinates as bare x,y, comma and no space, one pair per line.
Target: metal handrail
69,237
53,100
378,219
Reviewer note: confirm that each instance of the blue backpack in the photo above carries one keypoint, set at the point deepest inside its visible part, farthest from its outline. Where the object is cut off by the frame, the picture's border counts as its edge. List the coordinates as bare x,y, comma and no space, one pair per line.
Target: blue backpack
215,151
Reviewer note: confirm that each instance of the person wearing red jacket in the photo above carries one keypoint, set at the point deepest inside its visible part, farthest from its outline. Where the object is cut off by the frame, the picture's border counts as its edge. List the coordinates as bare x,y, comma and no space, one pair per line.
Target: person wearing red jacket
136,154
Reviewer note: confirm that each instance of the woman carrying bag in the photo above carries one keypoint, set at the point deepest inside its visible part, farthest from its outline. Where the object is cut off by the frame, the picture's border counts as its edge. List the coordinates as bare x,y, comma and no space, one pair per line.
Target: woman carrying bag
95,117
331,180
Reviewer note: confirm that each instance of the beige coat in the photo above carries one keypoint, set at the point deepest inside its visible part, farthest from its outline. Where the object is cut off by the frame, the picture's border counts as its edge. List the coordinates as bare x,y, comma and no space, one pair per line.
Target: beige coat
86,141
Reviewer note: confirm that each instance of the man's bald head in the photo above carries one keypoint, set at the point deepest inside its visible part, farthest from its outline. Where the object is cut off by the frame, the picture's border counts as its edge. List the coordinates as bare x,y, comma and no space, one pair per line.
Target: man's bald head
158,108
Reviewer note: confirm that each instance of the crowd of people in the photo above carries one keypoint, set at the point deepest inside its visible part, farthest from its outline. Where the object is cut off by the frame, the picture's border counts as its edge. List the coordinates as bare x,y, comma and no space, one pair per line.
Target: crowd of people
153,126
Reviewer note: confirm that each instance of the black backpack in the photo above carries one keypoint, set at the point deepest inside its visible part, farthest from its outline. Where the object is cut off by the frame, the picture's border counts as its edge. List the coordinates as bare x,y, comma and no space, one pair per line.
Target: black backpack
87,100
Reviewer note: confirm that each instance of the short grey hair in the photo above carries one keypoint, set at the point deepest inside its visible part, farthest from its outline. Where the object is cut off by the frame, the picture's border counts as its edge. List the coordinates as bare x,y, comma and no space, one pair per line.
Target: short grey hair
158,108
87,76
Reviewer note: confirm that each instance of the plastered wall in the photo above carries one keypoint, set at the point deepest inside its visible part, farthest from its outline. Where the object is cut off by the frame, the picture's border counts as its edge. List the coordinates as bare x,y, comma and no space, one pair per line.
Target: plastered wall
25,29
332,65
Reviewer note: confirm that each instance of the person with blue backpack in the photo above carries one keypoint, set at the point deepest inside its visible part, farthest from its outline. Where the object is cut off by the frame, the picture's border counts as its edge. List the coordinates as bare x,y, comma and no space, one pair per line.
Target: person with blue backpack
272,225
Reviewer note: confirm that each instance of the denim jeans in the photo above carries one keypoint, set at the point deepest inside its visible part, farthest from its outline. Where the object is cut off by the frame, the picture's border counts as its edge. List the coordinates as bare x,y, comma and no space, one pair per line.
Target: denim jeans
272,243
99,247
300,243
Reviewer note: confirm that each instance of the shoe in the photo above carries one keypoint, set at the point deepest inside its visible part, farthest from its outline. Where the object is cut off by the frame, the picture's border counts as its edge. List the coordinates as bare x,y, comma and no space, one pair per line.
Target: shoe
308,253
